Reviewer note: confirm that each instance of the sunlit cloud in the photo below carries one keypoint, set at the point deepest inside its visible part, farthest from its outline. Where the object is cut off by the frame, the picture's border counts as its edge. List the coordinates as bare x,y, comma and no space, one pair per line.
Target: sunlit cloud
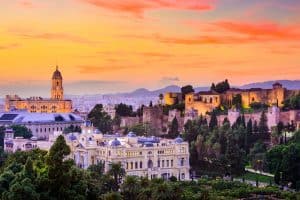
138,8
9,46
264,30
169,80
52,36
87,69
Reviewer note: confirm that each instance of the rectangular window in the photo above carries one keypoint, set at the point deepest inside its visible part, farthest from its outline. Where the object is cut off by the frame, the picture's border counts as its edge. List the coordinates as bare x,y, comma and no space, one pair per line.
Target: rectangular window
182,176
163,163
171,163
167,163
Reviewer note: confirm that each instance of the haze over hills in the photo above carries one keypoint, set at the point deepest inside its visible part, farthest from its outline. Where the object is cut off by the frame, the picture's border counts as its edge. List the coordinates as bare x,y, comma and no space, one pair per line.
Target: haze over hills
289,84
142,92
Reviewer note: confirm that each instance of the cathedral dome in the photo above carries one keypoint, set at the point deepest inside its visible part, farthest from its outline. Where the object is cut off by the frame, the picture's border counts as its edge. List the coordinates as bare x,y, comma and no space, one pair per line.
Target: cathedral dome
57,74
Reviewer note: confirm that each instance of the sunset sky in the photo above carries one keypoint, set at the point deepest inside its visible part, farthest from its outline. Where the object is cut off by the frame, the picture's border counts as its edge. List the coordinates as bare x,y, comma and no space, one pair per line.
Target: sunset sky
105,46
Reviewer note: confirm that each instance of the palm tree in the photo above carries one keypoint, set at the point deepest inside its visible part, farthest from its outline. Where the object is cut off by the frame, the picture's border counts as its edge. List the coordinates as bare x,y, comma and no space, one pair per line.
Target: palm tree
117,172
162,192
130,188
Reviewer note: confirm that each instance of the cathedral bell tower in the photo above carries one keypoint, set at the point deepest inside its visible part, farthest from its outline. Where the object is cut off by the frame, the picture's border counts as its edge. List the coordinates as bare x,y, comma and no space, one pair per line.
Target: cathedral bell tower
57,91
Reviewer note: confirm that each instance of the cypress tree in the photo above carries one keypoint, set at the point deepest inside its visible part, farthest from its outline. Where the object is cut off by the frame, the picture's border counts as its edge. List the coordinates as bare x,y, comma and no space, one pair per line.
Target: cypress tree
213,121
263,126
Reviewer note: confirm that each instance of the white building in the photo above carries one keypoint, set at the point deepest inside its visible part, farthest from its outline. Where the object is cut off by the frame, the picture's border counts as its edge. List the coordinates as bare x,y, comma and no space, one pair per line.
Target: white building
13,144
41,124
150,157
140,156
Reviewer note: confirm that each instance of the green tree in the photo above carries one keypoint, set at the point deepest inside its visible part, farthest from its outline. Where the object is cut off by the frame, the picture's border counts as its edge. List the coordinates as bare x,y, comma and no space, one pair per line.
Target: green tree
21,131
72,129
292,102
186,89
213,123
130,188
96,170
124,110
100,119
117,173
235,157
58,168
173,131
221,87
263,126
138,129
2,135
112,196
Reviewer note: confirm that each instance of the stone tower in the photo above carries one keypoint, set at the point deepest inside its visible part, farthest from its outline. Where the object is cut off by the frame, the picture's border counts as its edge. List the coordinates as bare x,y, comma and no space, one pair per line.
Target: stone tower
57,91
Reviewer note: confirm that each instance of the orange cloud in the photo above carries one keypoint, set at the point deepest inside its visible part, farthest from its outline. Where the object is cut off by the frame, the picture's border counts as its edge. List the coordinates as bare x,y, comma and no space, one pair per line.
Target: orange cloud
9,46
88,69
139,7
195,40
262,30
52,36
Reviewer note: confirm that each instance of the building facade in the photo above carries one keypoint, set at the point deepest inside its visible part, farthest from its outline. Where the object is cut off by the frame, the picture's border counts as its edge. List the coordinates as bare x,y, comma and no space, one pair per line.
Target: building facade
56,104
205,102
41,124
140,156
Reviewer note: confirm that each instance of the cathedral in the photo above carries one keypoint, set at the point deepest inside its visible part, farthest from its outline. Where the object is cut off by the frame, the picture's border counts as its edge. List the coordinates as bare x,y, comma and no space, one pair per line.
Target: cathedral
56,104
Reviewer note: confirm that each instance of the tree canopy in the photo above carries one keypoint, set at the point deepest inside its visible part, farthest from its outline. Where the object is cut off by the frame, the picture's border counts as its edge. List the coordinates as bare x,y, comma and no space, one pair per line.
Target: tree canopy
101,119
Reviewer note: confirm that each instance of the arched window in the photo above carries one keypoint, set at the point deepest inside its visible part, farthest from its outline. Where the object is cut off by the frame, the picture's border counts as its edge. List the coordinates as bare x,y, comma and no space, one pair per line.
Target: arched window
141,164
182,162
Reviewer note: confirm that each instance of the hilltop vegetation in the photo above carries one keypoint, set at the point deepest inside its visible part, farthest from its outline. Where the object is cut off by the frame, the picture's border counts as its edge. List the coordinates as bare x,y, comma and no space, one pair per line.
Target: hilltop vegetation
38,175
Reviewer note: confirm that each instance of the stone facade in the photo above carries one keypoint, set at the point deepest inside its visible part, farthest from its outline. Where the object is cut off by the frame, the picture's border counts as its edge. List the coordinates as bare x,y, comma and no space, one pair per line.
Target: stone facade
171,98
205,102
274,116
56,104
154,117
129,121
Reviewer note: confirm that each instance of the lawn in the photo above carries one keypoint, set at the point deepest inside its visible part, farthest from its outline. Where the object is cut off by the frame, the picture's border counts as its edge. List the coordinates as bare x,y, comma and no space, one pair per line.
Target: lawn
260,177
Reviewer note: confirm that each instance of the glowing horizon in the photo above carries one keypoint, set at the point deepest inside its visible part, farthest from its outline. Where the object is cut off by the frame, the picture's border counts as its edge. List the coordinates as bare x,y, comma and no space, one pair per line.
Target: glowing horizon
124,45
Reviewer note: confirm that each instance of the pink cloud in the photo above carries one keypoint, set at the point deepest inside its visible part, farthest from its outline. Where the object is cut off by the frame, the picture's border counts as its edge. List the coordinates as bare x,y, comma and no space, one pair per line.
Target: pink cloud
138,8
26,4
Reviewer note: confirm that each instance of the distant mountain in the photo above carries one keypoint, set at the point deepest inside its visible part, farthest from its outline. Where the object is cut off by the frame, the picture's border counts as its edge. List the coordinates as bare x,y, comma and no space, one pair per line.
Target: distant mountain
143,92
146,92
289,84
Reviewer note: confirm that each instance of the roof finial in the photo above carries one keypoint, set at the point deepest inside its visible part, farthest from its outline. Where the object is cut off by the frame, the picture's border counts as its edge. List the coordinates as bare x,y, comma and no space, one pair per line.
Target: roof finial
56,67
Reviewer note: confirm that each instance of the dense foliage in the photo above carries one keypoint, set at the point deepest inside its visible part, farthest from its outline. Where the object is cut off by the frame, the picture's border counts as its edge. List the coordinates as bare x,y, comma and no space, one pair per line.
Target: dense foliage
220,87
21,131
186,89
284,161
124,110
292,103
40,175
72,129
101,119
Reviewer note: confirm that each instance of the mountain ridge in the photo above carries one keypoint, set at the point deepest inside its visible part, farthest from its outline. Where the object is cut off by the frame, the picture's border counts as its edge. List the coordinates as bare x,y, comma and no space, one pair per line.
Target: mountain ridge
139,92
